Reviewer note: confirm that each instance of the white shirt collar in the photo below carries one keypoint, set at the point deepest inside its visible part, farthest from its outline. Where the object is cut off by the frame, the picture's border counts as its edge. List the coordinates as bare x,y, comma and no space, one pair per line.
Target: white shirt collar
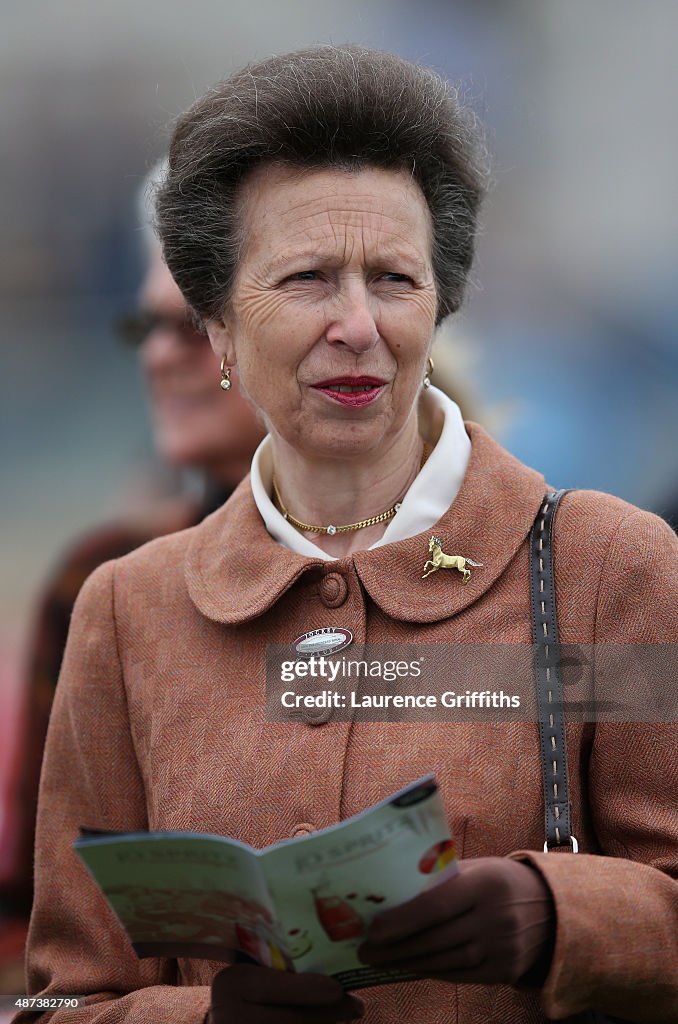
431,494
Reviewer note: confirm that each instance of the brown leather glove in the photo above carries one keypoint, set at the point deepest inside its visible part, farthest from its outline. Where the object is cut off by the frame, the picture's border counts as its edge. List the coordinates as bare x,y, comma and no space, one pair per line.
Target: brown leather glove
261,995
490,924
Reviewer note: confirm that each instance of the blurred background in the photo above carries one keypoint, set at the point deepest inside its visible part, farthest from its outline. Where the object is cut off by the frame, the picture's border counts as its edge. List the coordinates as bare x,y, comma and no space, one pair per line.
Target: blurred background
568,337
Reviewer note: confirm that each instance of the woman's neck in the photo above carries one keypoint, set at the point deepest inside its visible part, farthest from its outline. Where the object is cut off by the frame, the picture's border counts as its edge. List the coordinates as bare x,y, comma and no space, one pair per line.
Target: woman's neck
341,491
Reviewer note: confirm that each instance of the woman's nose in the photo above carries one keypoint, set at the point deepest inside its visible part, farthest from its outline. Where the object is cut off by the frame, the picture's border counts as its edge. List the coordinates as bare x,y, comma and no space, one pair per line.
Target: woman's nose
353,322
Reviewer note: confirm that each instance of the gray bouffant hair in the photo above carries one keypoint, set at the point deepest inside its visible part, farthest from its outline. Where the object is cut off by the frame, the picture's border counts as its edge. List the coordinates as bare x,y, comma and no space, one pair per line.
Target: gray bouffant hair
343,107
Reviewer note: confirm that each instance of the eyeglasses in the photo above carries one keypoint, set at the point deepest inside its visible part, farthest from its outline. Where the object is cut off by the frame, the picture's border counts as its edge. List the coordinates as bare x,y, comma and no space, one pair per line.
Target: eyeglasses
133,328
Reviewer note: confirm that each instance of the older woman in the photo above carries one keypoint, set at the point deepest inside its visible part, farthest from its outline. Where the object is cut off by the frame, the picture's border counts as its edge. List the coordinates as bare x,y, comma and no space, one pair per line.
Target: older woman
193,429
319,216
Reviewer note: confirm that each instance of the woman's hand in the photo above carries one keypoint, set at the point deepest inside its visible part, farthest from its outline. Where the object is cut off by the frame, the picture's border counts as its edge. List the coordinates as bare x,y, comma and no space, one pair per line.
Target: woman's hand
261,995
489,924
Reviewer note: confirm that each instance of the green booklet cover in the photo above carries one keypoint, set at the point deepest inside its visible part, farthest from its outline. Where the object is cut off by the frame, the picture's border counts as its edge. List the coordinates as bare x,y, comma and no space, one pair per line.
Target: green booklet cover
299,905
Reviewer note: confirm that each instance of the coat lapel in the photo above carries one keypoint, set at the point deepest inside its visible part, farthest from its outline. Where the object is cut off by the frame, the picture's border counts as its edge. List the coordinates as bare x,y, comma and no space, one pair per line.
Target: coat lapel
235,571
488,522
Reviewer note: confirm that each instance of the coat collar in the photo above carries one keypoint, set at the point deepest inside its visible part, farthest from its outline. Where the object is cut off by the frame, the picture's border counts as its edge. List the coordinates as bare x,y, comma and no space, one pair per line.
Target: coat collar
235,571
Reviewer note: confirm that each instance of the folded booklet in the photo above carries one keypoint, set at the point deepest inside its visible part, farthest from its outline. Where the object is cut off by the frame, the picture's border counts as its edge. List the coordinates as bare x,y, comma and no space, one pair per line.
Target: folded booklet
300,905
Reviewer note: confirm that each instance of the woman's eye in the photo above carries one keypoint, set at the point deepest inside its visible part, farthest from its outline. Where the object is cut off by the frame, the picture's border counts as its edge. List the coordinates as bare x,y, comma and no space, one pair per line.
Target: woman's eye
303,275
398,278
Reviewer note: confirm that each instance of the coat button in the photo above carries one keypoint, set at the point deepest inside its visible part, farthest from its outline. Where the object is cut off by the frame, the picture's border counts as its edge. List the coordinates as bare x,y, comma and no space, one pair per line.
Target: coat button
316,716
333,590
304,829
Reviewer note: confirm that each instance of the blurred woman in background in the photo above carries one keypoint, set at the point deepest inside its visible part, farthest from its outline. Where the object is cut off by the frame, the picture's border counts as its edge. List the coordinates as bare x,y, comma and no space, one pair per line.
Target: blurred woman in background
193,429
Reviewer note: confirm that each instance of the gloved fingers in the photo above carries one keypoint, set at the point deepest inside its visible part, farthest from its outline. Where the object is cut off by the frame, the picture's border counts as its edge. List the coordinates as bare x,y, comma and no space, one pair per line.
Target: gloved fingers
439,939
488,924
350,1009
467,958
245,985
440,905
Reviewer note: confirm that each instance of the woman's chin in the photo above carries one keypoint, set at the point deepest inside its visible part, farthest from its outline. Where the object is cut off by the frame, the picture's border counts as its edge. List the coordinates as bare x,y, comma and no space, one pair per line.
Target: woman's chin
337,437
338,444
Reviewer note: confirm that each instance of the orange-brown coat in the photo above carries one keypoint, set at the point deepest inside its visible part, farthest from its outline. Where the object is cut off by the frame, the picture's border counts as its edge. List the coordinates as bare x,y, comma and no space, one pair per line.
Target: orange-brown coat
159,723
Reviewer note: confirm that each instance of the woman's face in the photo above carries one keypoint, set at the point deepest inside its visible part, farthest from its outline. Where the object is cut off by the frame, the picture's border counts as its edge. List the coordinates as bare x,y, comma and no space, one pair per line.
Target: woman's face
333,305
194,422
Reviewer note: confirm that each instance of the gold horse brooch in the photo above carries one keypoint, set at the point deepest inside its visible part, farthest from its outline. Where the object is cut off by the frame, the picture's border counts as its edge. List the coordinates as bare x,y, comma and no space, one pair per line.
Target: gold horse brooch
442,561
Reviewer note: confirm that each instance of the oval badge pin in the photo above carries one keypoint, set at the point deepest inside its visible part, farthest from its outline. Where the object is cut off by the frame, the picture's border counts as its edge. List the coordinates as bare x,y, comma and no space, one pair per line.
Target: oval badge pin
326,640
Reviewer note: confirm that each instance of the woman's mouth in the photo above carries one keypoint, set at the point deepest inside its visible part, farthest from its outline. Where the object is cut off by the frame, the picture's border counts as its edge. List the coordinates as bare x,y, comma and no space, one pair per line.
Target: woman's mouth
354,393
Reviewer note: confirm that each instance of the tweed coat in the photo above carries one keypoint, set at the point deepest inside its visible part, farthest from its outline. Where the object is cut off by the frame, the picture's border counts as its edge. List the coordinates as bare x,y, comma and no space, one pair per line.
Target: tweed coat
47,645
158,723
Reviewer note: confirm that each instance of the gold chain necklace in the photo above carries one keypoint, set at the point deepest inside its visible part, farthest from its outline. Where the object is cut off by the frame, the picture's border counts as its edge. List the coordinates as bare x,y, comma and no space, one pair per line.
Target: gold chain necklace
331,530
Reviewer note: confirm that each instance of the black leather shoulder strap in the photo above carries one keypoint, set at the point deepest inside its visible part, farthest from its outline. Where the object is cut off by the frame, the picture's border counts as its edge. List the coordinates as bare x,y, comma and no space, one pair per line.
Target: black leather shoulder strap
549,685
550,699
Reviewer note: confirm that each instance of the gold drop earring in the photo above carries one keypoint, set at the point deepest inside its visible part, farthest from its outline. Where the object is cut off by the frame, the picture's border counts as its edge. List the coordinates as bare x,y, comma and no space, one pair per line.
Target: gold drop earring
225,381
428,372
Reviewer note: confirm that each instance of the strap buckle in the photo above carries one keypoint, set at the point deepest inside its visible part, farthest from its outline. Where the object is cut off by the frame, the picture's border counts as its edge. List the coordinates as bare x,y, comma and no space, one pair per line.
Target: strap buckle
575,846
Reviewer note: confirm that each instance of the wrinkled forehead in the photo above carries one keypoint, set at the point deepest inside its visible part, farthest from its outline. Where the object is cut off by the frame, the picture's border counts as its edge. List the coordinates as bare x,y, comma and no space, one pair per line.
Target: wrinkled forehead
283,209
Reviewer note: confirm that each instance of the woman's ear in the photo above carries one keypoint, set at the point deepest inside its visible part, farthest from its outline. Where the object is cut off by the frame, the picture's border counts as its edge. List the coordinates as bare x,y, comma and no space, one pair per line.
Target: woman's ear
221,339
